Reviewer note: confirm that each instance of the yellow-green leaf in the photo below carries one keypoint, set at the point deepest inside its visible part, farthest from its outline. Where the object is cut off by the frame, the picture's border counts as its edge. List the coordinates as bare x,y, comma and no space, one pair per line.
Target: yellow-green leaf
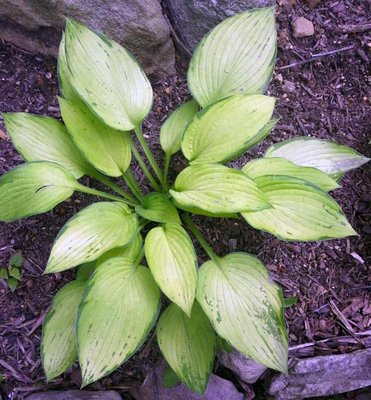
132,251
281,166
327,156
34,188
106,148
106,77
236,57
84,271
39,138
173,129
222,131
118,310
217,189
245,307
65,87
188,345
172,260
158,208
199,211
300,212
90,233
58,344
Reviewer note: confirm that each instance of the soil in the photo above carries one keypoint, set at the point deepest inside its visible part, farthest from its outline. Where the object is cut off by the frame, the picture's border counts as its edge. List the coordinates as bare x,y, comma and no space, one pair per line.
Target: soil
327,98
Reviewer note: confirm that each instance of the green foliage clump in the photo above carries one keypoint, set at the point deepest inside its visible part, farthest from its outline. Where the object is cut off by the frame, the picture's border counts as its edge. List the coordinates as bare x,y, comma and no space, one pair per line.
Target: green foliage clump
105,315
12,275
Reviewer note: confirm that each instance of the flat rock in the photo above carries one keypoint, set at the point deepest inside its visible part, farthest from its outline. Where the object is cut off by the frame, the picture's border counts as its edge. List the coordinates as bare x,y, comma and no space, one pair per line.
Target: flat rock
323,376
302,27
75,395
153,389
36,25
192,19
245,368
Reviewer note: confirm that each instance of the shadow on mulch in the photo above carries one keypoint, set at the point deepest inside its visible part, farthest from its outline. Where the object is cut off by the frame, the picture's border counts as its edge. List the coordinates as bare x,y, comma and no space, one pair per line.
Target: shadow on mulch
327,99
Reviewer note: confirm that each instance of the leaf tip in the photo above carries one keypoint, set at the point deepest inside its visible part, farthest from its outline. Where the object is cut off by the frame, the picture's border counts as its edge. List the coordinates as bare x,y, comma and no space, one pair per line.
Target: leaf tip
50,267
199,388
87,380
6,116
187,309
49,375
349,230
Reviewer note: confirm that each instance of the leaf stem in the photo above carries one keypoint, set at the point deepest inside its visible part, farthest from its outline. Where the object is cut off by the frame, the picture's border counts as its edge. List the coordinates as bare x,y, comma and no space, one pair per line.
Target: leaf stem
166,171
112,185
95,192
144,168
133,184
148,153
198,235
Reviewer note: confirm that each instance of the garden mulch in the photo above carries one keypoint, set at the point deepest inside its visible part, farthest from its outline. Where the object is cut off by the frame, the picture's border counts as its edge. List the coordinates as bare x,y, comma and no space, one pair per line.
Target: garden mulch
327,98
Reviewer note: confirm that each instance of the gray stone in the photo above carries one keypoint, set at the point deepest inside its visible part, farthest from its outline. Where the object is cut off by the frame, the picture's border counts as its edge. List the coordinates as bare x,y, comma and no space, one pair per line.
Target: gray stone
323,376
246,369
192,19
289,87
153,389
302,28
75,395
36,25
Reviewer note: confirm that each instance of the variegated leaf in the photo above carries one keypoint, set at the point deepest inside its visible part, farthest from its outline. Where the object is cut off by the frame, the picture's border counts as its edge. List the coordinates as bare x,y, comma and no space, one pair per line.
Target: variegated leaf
222,131
90,233
236,57
245,307
173,128
132,251
217,189
300,211
39,138
188,345
106,148
106,77
280,166
119,308
58,344
34,188
158,208
65,87
172,259
327,156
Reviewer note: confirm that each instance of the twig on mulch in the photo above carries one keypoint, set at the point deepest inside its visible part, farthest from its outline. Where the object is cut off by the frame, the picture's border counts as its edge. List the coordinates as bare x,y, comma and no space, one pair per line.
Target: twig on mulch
334,345
341,317
39,321
16,374
360,28
317,56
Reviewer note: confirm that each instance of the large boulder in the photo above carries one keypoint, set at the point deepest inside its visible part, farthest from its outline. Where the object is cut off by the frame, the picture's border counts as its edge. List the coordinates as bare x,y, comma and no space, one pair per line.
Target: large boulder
36,25
192,19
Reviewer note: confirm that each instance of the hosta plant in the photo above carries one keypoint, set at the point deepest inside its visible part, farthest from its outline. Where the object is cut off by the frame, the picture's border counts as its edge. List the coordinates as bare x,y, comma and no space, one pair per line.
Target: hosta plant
133,245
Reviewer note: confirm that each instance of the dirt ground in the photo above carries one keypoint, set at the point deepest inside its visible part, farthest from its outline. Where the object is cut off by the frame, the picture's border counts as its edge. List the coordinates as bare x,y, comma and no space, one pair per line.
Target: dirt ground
327,98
